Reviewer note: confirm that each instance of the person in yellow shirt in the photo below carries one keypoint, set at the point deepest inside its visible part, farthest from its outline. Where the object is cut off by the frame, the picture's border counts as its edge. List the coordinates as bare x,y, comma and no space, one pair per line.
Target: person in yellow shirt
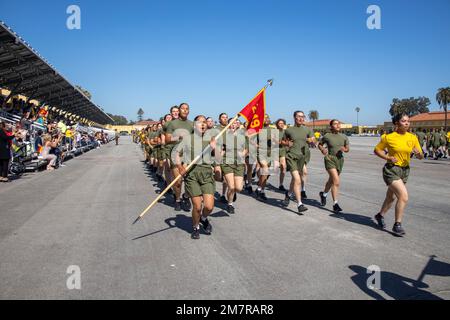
317,135
448,143
69,137
399,145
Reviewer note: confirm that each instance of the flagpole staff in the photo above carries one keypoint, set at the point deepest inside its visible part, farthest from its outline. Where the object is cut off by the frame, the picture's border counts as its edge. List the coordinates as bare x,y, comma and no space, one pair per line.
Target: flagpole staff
233,120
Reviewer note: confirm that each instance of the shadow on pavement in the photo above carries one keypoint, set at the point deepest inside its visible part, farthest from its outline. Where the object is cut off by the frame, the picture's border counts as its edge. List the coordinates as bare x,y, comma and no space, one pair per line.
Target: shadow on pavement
220,214
399,287
278,204
179,221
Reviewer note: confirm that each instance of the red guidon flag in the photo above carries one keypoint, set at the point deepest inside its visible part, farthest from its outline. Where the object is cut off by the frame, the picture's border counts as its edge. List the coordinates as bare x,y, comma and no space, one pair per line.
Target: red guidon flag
254,112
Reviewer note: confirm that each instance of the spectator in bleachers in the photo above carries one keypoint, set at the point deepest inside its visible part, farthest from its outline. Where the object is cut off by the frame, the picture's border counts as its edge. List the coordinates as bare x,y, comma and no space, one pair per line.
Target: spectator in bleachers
57,148
45,154
62,128
69,138
38,143
77,140
6,137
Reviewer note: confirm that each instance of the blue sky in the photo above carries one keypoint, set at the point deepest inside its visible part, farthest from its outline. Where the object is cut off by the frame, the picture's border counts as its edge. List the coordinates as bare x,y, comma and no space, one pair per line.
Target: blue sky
217,54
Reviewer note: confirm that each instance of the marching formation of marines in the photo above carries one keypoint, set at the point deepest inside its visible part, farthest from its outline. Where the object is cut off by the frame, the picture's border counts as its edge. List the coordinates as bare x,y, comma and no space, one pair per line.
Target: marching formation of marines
239,158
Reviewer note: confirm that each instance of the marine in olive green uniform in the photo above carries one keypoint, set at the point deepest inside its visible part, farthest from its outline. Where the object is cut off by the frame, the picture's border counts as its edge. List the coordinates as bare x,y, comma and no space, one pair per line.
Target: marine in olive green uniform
296,155
436,142
264,155
221,142
421,136
335,157
336,144
233,163
199,180
282,155
175,131
296,139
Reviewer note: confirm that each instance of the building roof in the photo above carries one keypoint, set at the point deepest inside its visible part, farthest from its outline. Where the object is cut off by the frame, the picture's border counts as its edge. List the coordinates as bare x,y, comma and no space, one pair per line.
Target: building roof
24,71
321,122
430,116
146,123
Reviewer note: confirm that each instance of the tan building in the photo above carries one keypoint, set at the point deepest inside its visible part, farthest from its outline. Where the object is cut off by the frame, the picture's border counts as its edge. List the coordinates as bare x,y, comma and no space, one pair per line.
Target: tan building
324,125
429,120
129,128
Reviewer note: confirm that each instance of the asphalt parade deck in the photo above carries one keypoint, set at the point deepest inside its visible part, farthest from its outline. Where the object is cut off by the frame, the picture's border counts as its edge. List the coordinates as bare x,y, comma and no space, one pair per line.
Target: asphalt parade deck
81,215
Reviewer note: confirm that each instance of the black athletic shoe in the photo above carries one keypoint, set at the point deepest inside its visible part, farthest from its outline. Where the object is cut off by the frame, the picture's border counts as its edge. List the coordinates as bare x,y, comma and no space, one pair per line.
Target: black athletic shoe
281,188
323,199
195,234
304,196
223,199
380,220
248,189
286,199
185,204
177,205
398,230
302,208
336,208
230,209
206,226
262,196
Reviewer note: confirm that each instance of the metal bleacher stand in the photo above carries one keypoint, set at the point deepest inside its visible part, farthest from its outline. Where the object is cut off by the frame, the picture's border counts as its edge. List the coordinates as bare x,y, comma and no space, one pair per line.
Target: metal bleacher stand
23,71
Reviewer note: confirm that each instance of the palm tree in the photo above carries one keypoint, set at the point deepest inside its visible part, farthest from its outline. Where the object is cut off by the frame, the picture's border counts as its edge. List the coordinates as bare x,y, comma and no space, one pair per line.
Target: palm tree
443,98
140,113
313,115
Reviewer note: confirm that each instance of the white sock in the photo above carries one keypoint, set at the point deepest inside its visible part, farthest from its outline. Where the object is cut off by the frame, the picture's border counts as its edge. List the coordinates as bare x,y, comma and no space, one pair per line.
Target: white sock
335,202
196,227
230,203
203,218
299,203
259,189
325,194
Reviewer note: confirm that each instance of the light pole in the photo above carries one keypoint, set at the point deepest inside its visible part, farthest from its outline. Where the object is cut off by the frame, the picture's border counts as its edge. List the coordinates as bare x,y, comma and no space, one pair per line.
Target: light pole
358,109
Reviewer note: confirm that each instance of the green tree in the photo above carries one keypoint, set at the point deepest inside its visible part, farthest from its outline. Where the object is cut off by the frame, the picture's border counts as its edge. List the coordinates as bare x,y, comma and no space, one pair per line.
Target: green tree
118,120
313,115
443,99
140,114
411,106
